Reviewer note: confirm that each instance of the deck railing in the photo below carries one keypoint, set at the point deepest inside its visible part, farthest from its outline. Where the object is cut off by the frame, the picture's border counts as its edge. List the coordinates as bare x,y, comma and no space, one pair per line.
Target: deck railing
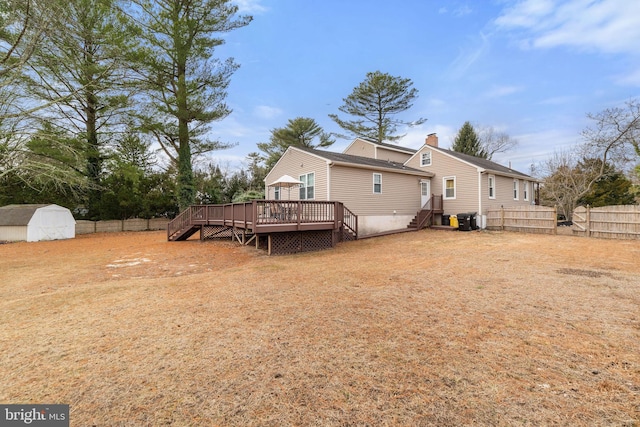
350,220
252,215
185,219
434,203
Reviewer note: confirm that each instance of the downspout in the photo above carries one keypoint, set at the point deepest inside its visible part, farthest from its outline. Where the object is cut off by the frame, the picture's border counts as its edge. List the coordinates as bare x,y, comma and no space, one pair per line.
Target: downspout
480,196
328,181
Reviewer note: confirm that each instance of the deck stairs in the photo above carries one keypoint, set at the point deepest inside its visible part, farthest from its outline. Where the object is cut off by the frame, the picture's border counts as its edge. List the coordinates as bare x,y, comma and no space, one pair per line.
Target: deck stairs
424,217
184,233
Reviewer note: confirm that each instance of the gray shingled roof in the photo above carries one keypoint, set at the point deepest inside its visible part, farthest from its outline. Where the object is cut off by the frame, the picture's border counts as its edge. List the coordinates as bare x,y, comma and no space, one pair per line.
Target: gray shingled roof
484,163
393,146
17,215
363,161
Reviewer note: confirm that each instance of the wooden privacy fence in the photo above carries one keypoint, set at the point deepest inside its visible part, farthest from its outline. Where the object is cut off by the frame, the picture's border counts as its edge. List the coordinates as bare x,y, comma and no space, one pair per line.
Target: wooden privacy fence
528,219
135,224
610,222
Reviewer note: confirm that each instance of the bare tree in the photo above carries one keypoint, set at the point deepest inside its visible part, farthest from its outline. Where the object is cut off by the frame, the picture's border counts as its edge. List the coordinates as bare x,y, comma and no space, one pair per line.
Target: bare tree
614,136
565,182
613,139
494,141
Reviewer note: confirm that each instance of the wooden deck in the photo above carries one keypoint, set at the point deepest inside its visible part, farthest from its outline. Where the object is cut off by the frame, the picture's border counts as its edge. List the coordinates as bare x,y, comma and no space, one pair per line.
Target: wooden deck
281,226
249,221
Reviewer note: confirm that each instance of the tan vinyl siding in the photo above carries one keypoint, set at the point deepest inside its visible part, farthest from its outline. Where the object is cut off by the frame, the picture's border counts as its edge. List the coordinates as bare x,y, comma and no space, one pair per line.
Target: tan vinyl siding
354,187
445,166
296,163
504,193
390,155
361,148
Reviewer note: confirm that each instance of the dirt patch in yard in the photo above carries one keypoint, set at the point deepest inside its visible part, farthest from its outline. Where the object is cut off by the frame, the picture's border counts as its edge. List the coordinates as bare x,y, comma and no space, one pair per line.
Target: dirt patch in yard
428,328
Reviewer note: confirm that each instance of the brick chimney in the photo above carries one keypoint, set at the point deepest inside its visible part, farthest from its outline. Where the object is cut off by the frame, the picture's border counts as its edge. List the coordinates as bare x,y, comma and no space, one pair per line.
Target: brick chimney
432,140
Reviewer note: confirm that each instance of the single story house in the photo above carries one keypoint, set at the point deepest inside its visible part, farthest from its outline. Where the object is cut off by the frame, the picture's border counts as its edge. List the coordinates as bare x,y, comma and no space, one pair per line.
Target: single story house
386,185
472,184
33,223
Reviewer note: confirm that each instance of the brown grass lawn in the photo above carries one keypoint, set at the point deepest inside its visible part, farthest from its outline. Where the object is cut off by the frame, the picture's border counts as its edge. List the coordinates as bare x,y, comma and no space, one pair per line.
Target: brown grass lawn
429,328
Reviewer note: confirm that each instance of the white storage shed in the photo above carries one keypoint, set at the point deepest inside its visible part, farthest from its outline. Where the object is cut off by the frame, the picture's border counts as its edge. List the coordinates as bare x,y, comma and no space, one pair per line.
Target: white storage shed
34,223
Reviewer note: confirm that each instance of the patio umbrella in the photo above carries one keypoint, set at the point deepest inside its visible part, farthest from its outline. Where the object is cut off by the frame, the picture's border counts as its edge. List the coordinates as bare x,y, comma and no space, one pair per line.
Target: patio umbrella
286,181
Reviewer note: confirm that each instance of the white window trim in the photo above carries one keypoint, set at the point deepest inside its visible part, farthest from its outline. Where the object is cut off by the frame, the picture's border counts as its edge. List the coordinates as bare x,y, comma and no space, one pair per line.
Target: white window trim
526,191
305,185
276,192
422,163
374,183
444,188
516,189
490,187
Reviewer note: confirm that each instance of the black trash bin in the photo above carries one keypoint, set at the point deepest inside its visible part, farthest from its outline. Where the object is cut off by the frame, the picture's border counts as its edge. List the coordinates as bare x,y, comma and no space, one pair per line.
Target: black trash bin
464,222
445,219
472,221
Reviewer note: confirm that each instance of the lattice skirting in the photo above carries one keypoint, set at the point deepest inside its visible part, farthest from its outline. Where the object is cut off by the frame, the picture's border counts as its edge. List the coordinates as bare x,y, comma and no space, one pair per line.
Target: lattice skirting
216,232
300,241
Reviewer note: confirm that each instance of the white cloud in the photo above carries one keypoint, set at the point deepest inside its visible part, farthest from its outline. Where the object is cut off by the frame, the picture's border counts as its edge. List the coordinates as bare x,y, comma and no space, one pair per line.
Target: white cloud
267,112
250,6
610,26
436,103
537,147
500,91
462,11
631,79
558,100
468,57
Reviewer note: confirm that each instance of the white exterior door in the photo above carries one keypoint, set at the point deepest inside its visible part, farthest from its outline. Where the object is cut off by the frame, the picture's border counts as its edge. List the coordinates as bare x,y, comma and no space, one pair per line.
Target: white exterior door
425,192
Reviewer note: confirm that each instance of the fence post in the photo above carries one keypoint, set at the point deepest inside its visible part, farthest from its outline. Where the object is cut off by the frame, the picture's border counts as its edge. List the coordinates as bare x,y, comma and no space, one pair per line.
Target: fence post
555,220
502,218
588,221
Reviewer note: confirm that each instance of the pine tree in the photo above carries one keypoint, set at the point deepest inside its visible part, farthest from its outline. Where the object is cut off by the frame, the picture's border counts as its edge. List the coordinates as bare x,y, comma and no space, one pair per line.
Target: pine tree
78,71
183,85
375,102
468,142
299,132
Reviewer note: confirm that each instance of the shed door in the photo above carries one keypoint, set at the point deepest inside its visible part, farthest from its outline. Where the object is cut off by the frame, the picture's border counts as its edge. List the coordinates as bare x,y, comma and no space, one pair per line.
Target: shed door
425,192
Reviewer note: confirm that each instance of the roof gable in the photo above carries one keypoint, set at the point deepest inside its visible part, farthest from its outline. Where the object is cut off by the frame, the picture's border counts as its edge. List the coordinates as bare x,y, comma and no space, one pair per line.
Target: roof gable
477,162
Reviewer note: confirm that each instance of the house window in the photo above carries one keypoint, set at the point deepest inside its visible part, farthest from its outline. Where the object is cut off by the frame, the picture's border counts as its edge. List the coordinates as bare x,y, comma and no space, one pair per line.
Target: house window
449,184
516,185
492,187
377,183
425,158
307,187
277,192
526,191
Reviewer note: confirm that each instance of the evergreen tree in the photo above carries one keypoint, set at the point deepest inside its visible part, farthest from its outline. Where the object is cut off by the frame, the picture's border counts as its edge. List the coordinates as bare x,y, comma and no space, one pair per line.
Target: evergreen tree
183,85
299,132
612,188
78,72
468,142
375,102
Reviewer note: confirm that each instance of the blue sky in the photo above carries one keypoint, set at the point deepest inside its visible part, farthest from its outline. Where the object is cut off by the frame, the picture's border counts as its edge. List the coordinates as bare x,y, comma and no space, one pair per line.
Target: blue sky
531,68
